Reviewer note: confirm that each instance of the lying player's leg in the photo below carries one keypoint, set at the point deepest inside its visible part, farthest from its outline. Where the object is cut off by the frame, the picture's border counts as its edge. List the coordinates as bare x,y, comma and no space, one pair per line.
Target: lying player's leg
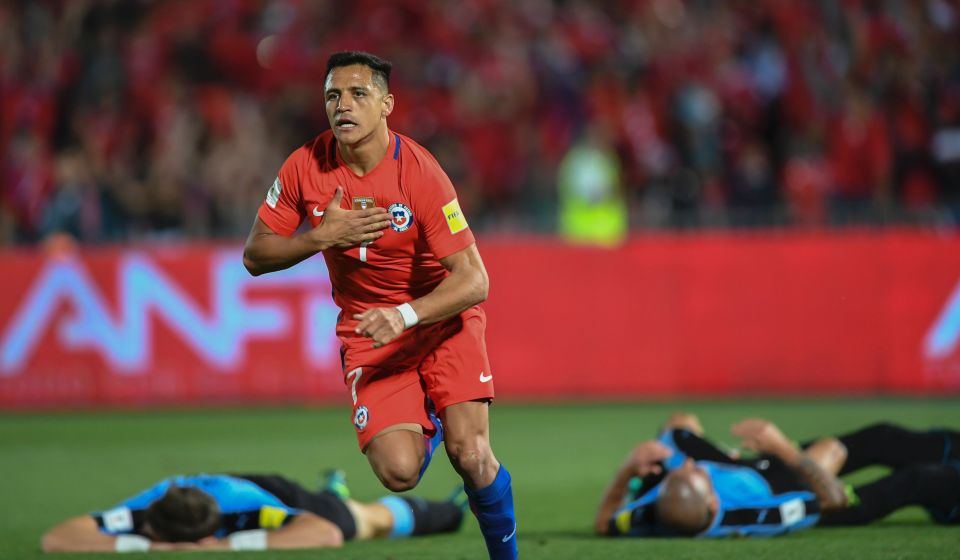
933,486
404,516
391,516
894,446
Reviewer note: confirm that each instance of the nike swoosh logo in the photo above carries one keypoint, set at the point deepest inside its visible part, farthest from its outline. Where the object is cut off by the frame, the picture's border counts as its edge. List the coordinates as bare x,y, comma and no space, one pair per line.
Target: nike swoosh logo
485,378
510,536
317,212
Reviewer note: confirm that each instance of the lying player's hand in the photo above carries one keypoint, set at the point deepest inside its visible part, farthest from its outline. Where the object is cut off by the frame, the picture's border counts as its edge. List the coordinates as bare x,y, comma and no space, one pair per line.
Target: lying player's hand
761,435
382,324
213,543
646,458
158,545
684,421
348,228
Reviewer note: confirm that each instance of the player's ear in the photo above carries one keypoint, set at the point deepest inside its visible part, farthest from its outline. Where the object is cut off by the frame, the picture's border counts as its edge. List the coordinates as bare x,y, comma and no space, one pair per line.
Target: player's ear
387,106
713,505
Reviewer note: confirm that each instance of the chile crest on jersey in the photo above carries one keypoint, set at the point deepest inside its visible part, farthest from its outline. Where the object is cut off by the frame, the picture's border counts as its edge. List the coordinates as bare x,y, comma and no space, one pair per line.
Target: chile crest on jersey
401,218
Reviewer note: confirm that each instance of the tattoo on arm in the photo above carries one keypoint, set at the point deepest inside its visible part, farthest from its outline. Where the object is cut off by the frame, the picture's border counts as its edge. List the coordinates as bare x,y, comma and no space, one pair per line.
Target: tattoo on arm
828,488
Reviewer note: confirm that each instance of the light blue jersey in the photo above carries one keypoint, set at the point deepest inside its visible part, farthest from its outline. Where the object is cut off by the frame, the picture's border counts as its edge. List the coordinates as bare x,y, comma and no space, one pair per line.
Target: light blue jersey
243,505
759,498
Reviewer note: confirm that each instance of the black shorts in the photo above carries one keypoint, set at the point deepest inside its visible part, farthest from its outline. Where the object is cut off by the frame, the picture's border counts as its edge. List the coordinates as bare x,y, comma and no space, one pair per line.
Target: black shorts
325,504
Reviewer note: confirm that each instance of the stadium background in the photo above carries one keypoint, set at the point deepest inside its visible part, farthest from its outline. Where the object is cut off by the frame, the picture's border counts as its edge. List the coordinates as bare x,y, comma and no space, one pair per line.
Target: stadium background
772,187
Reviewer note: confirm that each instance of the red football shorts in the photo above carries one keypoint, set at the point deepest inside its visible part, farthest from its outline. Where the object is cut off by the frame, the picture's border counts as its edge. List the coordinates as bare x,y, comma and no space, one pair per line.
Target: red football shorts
445,362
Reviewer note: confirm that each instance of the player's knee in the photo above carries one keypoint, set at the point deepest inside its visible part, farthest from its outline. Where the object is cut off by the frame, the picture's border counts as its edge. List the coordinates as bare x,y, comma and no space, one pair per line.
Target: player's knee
400,474
469,456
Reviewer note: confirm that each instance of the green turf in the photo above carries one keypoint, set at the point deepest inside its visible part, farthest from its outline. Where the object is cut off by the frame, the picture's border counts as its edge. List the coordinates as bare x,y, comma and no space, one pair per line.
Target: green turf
56,465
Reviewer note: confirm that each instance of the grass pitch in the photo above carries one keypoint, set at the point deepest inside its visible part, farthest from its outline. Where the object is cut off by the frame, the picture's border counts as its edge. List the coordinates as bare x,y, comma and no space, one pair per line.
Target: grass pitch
53,466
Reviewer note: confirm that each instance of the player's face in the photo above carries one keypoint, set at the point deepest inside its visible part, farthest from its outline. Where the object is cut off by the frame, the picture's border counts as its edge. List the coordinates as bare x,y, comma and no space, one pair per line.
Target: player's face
356,106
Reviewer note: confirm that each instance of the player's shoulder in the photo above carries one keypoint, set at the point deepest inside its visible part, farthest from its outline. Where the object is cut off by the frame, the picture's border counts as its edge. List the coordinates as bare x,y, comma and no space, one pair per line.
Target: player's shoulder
317,154
411,151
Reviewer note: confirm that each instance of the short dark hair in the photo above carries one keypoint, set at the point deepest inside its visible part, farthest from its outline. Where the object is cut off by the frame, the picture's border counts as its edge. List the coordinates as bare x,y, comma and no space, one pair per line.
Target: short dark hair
381,68
184,513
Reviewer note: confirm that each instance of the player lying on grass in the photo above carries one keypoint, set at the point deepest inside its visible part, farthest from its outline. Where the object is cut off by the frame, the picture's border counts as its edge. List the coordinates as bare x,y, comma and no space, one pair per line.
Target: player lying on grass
247,512
683,485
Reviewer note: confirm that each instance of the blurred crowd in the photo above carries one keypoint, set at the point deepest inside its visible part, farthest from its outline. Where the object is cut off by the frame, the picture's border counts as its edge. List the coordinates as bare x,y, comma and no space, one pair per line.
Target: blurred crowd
136,119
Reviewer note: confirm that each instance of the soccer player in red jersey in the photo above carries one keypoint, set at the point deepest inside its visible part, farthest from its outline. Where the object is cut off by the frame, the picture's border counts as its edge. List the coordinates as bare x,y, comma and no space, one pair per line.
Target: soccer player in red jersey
407,277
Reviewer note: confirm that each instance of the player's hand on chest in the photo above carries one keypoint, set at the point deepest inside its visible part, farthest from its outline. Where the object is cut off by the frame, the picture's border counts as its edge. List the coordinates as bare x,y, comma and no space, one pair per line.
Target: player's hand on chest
398,240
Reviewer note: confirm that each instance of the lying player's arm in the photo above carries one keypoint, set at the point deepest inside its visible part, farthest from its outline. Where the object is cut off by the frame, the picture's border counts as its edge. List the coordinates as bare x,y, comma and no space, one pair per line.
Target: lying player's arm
82,534
465,286
77,534
643,460
765,437
306,530
829,453
267,251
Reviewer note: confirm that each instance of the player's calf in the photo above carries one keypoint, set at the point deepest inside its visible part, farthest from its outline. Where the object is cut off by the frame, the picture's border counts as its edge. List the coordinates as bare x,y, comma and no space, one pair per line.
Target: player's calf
488,483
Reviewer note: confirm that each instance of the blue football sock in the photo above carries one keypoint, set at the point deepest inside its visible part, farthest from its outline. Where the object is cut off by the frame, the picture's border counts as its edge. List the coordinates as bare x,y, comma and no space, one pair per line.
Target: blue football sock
403,519
431,444
493,507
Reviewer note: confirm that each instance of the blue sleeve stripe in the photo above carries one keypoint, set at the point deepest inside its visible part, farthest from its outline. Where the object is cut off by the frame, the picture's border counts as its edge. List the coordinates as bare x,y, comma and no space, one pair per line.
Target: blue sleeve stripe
676,460
402,516
642,501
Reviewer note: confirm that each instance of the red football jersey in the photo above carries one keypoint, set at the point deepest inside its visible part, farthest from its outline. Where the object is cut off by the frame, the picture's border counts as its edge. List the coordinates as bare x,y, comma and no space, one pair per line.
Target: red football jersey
427,221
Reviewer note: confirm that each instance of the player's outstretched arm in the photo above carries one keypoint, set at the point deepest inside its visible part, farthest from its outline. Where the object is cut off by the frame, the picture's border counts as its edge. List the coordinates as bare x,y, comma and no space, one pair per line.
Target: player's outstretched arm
306,530
643,460
765,437
81,534
77,534
465,286
267,251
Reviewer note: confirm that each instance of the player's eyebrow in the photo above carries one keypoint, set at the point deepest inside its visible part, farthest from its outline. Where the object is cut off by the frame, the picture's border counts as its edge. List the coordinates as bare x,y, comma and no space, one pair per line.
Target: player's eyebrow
365,88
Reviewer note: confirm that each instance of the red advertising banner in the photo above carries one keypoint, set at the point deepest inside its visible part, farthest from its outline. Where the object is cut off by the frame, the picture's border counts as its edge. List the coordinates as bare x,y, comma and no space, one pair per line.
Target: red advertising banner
671,315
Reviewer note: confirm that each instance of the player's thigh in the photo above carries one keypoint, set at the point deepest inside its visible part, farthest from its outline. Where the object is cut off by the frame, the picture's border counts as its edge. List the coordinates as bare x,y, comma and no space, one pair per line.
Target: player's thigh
458,370
397,453
467,423
384,399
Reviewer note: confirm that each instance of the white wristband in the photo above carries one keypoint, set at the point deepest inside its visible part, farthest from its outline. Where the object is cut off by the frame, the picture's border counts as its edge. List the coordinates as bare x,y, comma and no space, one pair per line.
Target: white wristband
255,539
131,543
409,315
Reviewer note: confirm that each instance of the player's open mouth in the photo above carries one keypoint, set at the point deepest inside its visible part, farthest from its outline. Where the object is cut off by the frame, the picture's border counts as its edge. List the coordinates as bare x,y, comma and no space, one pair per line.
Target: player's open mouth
345,124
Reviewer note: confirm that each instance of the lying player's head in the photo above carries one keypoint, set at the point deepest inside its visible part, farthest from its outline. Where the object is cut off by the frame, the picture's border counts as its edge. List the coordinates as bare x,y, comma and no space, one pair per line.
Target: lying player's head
183,514
357,95
687,502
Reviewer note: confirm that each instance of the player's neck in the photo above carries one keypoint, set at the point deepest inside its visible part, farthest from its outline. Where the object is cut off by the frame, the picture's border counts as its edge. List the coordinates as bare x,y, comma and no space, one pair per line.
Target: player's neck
364,155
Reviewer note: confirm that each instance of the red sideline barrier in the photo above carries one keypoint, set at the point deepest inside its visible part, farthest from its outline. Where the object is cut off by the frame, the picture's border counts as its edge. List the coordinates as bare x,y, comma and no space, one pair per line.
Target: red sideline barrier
705,314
